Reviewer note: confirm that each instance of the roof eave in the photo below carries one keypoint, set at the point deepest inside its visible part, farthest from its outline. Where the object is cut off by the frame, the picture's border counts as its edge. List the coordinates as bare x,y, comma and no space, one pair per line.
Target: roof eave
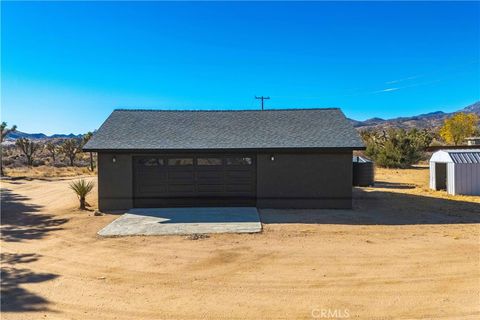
223,150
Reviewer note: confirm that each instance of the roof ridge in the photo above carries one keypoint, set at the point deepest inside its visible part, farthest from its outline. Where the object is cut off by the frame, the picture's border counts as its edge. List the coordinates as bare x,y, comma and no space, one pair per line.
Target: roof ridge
217,110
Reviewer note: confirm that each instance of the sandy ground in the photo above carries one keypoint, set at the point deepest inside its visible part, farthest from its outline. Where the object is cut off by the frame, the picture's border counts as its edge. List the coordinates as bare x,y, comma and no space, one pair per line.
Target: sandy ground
403,253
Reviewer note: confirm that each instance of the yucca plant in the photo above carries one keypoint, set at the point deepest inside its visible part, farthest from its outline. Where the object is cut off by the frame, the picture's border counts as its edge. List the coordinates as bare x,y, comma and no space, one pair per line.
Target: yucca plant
82,188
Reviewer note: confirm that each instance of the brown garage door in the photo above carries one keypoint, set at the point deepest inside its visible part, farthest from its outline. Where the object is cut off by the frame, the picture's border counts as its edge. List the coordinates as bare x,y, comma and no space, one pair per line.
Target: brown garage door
194,180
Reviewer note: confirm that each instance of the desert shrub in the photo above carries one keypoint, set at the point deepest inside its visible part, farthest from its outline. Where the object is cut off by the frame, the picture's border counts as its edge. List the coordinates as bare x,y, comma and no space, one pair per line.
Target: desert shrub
82,188
59,165
17,163
396,148
81,163
7,161
38,162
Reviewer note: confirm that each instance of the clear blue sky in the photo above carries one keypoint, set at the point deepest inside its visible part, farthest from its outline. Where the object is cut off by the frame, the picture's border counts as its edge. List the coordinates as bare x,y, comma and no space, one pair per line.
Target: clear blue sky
67,65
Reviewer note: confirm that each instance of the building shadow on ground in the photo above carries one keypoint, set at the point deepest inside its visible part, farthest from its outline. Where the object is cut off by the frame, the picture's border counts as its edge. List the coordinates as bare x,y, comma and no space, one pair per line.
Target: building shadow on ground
381,207
24,221
393,185
14,298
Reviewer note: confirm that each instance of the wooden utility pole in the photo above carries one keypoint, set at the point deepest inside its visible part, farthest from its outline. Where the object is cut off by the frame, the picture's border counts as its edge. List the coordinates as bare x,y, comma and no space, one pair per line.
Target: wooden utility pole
262,98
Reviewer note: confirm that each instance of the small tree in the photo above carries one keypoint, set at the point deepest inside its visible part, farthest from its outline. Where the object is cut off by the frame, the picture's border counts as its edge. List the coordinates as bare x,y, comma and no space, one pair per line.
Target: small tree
82,188
396,148
70,148
52,149
85,139
456,128
28,148
4,131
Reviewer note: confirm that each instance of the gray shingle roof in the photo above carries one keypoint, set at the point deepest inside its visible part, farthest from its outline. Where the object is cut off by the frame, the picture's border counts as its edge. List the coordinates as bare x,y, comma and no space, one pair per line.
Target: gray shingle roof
270,129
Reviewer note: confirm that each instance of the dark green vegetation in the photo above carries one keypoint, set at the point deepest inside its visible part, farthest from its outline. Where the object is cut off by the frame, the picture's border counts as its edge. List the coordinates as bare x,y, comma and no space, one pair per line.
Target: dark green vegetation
401,148
397,148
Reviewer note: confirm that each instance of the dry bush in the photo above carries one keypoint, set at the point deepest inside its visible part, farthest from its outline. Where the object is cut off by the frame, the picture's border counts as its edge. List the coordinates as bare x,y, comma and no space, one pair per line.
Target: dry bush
48,172
15,163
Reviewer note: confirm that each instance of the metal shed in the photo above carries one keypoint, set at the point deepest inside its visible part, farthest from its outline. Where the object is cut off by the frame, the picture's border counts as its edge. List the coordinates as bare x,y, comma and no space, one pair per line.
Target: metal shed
457,171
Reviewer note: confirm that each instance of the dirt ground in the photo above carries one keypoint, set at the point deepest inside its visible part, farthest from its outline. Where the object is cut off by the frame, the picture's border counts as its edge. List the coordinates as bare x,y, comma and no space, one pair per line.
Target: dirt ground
404,252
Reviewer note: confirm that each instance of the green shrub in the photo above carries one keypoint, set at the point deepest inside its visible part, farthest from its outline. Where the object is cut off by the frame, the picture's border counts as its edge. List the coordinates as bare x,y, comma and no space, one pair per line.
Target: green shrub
396,148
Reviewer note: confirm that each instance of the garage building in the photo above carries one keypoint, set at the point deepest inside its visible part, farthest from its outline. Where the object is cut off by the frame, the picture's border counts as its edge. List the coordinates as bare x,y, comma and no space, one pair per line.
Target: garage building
456,171
295,158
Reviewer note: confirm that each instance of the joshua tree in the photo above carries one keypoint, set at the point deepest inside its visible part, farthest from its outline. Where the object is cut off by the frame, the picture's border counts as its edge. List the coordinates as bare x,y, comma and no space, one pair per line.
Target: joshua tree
4,132
52,149
28,148
85,139
70,148
82,188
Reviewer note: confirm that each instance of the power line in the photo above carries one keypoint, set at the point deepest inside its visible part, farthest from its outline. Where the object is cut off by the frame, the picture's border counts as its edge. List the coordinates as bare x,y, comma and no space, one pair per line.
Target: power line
262,98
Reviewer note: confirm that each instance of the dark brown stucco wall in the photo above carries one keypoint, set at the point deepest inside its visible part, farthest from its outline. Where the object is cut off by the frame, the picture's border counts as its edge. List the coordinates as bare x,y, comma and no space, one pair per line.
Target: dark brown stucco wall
291,180
115,181
306,180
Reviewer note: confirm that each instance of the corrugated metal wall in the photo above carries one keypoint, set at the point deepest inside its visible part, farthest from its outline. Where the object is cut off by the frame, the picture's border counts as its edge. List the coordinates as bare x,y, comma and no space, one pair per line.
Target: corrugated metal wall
451,174
467,178
432,176
463,171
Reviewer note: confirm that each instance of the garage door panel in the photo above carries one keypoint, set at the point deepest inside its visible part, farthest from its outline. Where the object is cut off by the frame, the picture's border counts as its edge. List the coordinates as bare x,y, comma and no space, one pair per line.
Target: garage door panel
194,180
209,182
174,182
151,169
181,188
181,175
235,178
244,188
152,178
238,182
217,175
208,188
239,174
152,202
152,190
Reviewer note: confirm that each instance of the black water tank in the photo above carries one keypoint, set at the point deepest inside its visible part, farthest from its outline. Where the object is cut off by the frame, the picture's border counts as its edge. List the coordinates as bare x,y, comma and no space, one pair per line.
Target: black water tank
363,172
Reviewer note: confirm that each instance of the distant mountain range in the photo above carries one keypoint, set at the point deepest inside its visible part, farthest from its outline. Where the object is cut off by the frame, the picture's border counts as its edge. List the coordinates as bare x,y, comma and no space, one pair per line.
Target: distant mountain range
39,136
428,120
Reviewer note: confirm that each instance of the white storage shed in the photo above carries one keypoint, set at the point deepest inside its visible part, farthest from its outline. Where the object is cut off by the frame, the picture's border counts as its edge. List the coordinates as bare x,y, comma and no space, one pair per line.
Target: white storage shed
457,171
